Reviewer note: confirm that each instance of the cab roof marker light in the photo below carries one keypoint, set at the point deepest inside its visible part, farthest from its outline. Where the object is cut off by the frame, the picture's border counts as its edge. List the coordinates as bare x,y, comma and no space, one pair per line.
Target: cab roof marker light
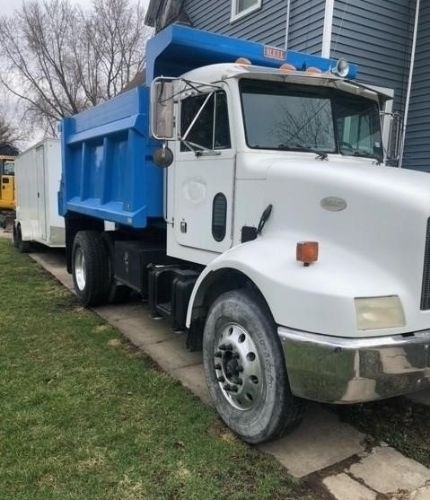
313,71
287,68
243,60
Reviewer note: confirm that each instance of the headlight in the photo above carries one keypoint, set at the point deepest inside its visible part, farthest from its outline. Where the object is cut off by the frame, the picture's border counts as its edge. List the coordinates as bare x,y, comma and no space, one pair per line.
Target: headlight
374,313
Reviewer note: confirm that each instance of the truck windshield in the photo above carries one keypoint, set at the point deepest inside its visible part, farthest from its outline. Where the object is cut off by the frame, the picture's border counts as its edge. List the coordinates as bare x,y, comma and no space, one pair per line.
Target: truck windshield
292,117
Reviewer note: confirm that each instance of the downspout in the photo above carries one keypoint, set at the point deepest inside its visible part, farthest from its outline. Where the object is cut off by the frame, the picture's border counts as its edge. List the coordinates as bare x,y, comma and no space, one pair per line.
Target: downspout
327,29
287,24
409,88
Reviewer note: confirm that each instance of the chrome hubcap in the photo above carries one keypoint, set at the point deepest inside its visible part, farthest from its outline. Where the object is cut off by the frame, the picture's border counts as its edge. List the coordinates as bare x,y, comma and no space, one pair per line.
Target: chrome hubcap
238,367
80,270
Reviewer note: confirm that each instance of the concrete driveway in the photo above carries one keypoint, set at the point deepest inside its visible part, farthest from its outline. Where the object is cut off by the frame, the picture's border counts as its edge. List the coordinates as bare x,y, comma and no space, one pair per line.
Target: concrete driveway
331,454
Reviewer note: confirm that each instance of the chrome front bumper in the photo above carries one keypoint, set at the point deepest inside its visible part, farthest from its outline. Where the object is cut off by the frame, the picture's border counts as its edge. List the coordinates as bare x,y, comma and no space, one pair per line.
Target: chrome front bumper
345,370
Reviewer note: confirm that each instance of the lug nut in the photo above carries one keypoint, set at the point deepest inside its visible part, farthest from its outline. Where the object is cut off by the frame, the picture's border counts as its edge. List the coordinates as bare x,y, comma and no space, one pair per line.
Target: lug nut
218,354
225,347
238,381
221,379
217,366
230,388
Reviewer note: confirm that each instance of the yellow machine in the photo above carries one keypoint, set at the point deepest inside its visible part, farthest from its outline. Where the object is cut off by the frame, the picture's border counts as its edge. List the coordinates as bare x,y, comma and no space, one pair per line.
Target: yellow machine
7,182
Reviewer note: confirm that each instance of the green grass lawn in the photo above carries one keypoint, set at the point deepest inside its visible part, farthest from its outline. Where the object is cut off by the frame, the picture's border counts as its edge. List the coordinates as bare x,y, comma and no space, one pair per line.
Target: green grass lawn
85,415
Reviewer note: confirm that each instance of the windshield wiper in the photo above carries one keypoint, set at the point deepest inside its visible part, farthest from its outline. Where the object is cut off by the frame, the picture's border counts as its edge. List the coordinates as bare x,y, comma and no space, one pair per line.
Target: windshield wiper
363,154
321,155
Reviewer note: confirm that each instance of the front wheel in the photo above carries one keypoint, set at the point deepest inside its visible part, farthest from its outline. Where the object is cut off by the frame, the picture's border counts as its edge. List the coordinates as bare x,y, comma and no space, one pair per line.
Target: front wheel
245,369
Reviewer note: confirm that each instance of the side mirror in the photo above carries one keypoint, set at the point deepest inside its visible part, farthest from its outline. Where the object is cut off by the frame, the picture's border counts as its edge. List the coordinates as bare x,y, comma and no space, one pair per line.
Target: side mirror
393,145
163,157
162,118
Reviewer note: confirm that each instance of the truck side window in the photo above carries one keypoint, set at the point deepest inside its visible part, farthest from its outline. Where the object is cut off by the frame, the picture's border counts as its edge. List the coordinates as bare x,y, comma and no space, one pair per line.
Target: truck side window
358,126
211,129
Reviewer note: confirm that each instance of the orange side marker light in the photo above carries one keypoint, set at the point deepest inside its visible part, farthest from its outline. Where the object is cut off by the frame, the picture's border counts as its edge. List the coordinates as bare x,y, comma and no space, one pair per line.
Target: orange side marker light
307,252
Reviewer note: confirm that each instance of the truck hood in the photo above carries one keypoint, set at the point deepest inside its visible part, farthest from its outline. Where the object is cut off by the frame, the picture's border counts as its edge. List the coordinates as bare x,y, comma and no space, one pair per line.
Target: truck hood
371,225
375,217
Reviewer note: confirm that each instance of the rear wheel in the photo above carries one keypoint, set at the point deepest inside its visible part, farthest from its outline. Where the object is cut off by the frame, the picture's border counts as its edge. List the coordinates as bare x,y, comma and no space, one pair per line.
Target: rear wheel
245,369
90,268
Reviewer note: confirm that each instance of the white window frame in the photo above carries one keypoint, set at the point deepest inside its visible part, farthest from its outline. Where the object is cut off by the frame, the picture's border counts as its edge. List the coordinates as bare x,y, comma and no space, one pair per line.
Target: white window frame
245,12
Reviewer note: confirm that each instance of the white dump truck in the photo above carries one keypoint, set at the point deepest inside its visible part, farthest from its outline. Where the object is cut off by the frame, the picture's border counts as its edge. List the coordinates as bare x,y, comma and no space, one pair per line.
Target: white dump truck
274,235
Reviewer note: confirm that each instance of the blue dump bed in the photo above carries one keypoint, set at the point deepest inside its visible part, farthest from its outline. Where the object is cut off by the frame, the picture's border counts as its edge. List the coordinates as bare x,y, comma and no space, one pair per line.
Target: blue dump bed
108,171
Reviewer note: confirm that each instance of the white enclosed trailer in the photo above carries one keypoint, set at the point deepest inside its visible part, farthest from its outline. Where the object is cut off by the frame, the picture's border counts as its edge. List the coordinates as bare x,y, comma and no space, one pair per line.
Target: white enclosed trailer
37,174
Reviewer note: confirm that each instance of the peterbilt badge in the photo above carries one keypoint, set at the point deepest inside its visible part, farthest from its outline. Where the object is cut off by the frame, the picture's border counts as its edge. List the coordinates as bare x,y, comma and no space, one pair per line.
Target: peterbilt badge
333,204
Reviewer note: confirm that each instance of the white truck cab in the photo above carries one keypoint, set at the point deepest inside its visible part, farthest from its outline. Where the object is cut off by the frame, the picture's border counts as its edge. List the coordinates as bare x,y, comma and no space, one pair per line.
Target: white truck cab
265,159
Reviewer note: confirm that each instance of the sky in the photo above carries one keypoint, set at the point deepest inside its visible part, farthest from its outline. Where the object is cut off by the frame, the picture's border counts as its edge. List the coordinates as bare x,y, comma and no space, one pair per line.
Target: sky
7,7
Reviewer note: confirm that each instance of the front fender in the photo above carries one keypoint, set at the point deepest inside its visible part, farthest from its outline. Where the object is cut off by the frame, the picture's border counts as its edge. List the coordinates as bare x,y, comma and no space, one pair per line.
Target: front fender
318,298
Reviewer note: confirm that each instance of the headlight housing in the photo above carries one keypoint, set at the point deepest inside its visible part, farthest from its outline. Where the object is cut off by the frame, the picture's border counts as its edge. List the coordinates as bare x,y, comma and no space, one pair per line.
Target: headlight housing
374,313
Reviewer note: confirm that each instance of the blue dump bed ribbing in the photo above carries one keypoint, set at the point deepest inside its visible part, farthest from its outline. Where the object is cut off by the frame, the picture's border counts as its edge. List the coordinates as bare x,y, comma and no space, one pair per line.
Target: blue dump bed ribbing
108,171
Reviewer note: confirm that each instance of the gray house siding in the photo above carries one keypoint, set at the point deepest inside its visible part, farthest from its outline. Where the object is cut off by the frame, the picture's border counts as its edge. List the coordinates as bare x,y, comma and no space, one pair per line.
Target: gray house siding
417,146
306,26
266,25
377,37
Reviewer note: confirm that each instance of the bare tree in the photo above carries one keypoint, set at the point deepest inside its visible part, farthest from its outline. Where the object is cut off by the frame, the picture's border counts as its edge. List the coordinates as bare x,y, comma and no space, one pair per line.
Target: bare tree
62,59
8,133
305,122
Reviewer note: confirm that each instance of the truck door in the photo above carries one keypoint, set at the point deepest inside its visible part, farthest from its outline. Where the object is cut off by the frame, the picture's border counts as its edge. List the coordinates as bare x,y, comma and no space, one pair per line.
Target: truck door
204,174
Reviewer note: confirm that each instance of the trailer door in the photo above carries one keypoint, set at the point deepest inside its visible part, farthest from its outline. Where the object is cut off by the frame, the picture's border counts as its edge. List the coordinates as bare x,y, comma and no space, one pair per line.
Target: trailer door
204,174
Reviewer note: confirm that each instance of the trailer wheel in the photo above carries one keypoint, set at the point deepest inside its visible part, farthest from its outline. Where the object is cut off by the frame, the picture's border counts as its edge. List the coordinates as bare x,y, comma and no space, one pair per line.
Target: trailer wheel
245,369
15,236
19,243
90,268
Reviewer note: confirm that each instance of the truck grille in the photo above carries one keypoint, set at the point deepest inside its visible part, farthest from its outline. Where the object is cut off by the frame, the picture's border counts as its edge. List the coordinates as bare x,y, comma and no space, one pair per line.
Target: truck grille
425,292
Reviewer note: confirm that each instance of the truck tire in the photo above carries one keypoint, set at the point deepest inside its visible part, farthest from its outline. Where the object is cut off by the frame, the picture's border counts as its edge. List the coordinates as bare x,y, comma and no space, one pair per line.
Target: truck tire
245,369
90,268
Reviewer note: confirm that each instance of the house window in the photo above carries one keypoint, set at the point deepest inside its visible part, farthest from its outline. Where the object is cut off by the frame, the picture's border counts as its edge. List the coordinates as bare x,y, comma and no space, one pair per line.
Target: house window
241,8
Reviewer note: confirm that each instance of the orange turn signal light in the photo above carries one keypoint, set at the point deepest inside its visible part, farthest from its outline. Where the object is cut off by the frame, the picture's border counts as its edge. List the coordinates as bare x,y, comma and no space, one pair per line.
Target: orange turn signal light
307,252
